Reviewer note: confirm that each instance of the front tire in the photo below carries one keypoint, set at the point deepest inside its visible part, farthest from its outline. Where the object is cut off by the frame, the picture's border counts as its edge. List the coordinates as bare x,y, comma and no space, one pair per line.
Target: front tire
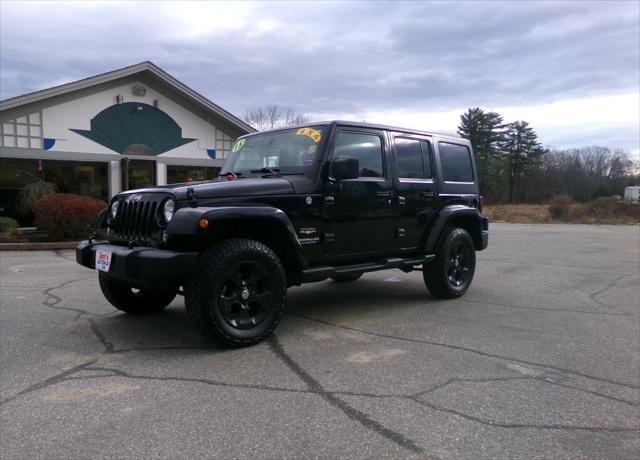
450,274
238,294
133,301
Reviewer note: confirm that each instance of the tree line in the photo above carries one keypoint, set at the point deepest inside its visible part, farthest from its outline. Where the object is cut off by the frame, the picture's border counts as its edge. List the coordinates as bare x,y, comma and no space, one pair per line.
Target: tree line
514,167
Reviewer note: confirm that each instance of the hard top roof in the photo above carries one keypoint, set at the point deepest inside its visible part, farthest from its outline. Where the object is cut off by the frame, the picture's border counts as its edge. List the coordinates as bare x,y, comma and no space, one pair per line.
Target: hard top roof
360,124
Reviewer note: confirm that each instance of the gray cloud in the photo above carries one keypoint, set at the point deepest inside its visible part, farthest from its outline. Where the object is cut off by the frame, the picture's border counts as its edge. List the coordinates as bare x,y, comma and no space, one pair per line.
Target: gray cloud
337,58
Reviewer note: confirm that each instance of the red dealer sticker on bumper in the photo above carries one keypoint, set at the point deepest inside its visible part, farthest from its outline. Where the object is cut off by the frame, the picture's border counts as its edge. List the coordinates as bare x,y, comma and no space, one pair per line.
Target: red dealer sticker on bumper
103,260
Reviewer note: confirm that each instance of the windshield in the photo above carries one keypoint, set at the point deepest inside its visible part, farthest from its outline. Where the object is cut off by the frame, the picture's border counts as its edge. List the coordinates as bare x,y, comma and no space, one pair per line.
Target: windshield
291,151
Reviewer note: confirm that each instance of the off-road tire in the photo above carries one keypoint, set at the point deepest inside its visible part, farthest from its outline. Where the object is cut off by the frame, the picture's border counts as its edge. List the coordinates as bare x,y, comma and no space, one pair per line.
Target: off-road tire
208,301
346,278
443,275
133,301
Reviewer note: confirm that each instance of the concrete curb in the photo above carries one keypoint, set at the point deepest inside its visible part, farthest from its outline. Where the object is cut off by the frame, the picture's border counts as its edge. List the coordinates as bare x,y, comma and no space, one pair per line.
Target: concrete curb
38,246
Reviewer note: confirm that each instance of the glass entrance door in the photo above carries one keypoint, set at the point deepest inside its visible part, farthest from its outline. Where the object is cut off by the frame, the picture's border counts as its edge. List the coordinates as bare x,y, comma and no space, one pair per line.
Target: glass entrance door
138,173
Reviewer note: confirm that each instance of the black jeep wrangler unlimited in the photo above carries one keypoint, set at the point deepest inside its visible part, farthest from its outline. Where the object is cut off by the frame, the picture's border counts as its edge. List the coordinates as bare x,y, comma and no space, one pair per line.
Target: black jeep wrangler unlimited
291,206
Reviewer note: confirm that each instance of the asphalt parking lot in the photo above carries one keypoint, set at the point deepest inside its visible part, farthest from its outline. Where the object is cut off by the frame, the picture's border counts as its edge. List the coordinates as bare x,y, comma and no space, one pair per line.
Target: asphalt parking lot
539,359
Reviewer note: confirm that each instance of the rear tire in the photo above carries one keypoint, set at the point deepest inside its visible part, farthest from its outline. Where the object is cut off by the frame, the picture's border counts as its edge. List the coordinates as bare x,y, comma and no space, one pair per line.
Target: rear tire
133,301
346,278
450,274
237,296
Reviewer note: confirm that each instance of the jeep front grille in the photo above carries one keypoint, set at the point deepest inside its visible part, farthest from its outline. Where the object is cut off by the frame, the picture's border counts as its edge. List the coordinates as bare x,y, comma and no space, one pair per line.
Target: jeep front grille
137,220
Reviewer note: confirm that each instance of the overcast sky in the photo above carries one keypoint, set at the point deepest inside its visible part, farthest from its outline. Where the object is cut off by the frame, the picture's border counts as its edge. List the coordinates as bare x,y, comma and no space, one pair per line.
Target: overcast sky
571,69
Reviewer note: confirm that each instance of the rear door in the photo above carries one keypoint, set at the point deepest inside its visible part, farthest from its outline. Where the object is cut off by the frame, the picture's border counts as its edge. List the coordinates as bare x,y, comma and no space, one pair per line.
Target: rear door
417,190
358,214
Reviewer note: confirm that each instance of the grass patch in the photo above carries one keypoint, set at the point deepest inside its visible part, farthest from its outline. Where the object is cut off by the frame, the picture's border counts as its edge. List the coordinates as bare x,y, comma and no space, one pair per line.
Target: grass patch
518,213
604,210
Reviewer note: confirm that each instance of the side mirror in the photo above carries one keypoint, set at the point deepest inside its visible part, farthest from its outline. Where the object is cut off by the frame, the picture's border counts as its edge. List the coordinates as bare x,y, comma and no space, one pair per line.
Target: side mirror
345,167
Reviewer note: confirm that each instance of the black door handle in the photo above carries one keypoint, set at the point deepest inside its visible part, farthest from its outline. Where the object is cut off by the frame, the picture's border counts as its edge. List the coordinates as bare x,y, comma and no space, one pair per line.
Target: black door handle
428,194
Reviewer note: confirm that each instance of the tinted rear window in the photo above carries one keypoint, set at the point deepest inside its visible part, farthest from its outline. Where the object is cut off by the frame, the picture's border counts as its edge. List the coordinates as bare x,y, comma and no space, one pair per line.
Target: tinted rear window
409,158
456,162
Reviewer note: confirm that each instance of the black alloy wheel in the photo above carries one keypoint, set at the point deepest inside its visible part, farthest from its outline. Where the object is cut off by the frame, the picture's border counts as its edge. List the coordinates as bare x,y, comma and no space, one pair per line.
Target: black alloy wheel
246,295
237,295
450,274
458,264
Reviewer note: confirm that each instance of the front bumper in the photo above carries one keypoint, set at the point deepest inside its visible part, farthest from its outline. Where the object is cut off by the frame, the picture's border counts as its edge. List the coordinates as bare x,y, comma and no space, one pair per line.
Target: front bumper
140,264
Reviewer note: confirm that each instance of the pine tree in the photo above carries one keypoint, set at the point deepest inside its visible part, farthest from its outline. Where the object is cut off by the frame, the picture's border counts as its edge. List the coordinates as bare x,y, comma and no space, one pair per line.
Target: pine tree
485,132
522,152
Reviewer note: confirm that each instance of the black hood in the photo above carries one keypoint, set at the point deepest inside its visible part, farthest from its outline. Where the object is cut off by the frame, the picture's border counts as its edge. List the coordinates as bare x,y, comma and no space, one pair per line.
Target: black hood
224,188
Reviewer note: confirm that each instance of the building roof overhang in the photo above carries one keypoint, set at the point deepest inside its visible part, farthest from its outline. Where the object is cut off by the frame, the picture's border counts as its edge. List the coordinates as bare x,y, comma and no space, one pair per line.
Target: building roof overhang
147,69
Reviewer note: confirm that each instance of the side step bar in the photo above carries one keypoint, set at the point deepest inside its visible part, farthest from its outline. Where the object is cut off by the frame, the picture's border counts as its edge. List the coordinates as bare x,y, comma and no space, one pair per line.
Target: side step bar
311,275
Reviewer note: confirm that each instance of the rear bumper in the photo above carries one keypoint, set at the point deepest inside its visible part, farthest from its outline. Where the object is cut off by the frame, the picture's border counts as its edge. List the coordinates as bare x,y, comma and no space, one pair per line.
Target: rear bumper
140,264
485,233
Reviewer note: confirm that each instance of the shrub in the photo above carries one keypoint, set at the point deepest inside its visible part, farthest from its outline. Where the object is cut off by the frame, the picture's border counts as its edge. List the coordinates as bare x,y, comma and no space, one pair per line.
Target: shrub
606,209
559,206
7,223
15,233
28,197
66,215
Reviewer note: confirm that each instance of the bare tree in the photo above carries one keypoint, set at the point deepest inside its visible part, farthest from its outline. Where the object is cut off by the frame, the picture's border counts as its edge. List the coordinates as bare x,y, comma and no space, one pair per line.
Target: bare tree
273,116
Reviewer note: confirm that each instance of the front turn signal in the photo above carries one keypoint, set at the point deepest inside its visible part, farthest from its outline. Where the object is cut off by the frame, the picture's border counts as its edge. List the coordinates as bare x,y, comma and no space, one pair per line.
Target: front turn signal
203,223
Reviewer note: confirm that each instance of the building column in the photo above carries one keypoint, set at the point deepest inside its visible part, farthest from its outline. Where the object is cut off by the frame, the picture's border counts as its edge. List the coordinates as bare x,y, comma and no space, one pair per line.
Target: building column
115,178
161,173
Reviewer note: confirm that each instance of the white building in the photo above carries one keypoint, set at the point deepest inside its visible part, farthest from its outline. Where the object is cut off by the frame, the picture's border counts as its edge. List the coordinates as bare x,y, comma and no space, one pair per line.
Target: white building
128,128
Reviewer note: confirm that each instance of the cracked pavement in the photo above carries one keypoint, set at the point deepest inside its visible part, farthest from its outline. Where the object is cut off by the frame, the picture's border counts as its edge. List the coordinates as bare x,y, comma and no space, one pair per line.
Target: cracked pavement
540,359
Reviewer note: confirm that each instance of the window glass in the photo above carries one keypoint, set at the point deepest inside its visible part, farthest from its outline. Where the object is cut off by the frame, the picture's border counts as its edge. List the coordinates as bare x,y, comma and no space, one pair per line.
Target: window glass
290,151
177,174
409,158
81,178
456,162
138,174
426,157
367,148
88,179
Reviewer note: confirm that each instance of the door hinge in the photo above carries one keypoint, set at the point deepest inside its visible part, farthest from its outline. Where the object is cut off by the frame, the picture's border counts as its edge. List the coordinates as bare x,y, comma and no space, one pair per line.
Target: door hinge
329,199
329,237
400,233
402,200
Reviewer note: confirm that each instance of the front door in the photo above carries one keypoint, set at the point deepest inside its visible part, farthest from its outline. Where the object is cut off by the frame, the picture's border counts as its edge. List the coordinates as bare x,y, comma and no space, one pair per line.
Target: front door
358,214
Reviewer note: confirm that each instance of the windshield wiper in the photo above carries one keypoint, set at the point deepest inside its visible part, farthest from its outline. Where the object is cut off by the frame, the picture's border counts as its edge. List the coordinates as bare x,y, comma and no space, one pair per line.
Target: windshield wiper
231,173
273,171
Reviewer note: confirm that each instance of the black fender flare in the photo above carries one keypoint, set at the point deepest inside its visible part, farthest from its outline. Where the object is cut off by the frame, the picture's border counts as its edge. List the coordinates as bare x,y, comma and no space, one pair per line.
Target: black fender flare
101,218
474,223
185,222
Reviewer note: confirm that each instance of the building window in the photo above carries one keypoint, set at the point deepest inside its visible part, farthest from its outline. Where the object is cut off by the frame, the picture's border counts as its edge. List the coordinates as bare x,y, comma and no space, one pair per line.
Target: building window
80,178
177,174
24,132
223,144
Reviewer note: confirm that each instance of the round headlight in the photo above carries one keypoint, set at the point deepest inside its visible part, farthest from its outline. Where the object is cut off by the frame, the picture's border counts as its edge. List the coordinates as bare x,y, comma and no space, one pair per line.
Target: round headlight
168,209
114,209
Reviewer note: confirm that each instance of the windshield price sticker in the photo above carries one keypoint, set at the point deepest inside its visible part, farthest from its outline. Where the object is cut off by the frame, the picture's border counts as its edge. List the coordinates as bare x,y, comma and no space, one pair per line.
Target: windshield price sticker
238,145
103,260
311,133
